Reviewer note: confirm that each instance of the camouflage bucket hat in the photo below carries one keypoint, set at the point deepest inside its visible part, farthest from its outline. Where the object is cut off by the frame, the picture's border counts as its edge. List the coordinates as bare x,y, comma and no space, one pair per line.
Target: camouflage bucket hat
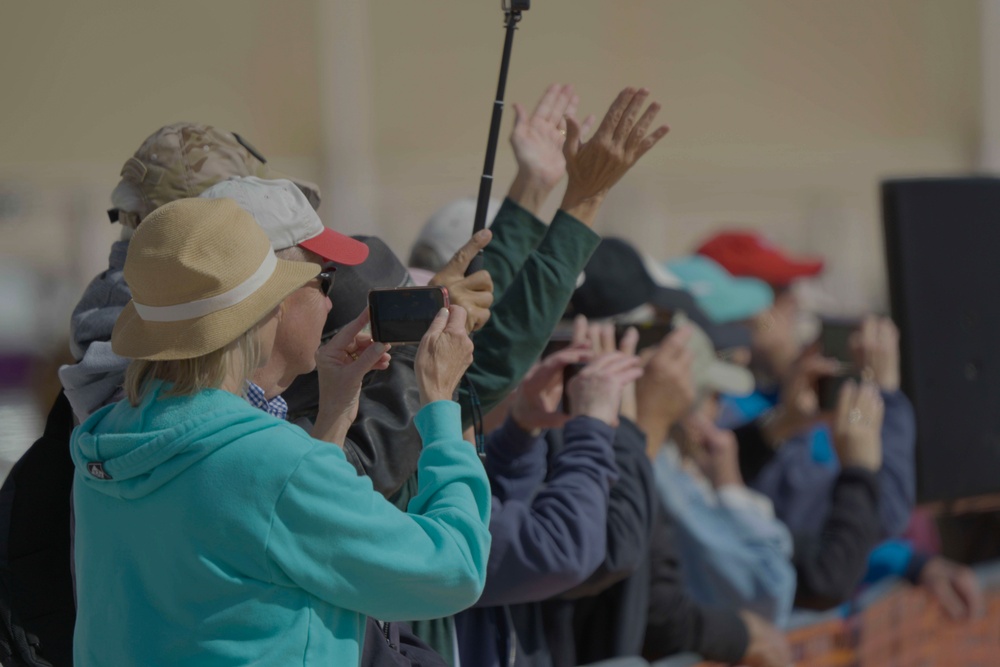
182,160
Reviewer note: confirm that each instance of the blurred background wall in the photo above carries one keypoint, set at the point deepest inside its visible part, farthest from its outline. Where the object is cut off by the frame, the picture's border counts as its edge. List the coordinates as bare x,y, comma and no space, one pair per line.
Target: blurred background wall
784,115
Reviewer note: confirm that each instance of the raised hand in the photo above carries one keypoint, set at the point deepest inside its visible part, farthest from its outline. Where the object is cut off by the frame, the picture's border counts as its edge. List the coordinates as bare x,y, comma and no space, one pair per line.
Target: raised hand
666,390
596,391
444,354
538,145
341,365
857,426
719,451
537,399
875,347
474,293
799,406
595,165
601,336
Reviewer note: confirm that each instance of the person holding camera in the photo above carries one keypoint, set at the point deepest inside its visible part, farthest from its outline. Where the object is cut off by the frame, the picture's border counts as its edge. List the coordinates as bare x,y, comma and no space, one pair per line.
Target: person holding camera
829,562
534,267
795,459
549,508
786,448
276,589
698,583
734,552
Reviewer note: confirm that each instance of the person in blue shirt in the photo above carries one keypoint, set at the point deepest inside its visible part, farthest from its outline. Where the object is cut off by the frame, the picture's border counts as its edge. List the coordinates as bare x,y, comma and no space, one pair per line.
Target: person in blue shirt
829,555
734,553
799,467
789,454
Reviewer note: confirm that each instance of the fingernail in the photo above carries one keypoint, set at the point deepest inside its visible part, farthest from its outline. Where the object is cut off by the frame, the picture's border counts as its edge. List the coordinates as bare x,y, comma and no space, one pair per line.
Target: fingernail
443,312
481,234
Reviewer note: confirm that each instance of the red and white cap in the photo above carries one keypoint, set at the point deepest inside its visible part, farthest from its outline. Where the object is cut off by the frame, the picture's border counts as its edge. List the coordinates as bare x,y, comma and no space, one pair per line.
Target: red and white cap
284,213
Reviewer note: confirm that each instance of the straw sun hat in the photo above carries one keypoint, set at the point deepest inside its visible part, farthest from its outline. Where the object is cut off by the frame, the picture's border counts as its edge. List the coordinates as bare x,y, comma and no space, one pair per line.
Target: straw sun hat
202,272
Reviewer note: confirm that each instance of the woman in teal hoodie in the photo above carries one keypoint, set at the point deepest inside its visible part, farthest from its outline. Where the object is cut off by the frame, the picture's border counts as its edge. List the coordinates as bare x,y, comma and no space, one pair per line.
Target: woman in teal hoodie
210,533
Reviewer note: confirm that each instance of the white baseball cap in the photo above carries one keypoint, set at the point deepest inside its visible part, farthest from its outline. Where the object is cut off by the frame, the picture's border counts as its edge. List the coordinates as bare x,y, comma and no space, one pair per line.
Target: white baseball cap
287,217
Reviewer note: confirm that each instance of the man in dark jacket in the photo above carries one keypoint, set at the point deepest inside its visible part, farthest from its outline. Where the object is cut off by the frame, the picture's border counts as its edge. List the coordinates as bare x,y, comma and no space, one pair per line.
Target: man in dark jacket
636,600
548,521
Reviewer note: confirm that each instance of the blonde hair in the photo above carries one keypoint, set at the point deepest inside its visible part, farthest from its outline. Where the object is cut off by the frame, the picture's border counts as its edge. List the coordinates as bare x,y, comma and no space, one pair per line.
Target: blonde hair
190,376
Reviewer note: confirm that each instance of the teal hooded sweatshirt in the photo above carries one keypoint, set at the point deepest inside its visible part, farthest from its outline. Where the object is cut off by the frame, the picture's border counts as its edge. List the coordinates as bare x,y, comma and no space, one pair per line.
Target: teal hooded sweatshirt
211,533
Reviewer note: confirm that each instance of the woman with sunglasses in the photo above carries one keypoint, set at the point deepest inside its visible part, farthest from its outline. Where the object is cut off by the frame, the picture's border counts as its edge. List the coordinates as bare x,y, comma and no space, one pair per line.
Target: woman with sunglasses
209,532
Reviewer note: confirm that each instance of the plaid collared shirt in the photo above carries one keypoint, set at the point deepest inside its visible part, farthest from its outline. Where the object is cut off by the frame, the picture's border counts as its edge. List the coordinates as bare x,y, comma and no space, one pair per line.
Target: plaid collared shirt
276,406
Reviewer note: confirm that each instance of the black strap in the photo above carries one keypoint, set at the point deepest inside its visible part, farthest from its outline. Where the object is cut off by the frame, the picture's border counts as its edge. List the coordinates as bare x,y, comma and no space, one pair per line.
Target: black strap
477,416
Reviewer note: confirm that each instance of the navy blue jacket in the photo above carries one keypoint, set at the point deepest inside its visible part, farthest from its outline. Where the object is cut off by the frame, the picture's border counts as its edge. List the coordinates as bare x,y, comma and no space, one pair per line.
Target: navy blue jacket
549,528
605,617
801,475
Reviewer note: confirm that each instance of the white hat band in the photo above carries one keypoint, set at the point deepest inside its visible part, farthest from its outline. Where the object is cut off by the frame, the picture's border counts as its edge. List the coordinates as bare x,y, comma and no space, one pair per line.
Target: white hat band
202,307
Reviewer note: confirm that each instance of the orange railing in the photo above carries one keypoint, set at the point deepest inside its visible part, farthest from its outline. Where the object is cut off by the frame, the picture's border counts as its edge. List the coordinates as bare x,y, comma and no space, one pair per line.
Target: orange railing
898,625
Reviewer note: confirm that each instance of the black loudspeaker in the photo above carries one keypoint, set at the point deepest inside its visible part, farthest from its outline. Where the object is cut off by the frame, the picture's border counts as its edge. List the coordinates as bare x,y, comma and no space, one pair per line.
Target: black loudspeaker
942,241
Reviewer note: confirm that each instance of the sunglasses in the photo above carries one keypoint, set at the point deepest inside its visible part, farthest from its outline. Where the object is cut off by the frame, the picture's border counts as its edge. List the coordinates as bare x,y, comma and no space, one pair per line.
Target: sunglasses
326,277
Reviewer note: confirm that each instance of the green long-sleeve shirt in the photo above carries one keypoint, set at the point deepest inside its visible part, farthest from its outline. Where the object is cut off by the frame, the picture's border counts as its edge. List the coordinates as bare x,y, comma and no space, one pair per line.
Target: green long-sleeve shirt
534,270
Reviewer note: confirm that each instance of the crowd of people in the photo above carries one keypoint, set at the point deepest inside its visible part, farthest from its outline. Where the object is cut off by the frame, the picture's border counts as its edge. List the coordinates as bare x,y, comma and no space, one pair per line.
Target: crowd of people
257,481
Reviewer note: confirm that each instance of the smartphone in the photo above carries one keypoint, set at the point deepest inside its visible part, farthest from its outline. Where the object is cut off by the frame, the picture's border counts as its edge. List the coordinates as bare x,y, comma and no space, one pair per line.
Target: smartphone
835,343
561,338
835,338
569,372
555,344
650,333
402,315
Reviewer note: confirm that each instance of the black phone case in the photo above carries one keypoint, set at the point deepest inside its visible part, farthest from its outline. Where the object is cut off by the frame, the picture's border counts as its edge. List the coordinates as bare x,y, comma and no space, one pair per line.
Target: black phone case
375,317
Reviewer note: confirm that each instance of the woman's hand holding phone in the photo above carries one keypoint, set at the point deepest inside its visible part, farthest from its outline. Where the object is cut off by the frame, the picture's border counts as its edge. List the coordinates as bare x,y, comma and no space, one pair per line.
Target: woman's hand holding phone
444,354
341,365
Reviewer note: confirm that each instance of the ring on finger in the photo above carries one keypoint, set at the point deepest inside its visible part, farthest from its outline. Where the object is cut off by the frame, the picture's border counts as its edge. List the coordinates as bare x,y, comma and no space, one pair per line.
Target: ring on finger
854,416
353,356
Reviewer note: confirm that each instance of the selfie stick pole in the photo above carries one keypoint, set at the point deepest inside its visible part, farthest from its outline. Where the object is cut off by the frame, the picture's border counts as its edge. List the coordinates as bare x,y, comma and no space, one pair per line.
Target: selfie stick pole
486,181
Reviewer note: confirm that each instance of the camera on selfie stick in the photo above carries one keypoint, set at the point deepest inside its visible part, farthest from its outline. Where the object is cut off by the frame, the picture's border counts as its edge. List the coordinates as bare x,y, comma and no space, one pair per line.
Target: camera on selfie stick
512,10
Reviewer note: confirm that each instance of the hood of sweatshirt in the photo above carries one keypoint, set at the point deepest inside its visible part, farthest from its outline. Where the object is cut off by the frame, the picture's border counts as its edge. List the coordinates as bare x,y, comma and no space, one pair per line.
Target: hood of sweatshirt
130,452
96,378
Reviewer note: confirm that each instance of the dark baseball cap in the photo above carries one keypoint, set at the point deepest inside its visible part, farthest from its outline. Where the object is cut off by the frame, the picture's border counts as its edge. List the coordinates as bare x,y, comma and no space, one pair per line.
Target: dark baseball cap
618,279
349,298
382,269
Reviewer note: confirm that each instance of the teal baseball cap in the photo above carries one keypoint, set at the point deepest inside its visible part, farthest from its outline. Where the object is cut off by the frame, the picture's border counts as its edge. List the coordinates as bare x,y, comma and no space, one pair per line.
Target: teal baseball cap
723,297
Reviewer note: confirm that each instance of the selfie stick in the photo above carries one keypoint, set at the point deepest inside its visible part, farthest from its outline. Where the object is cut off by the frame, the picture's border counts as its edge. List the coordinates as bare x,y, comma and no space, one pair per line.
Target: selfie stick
486,181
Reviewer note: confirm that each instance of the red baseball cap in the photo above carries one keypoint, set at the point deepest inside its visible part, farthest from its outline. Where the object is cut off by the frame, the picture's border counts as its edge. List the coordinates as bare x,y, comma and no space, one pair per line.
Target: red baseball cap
746,253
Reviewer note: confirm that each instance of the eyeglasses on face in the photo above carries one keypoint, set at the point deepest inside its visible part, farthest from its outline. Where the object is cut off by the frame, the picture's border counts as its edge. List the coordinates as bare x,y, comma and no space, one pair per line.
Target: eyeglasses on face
326,279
